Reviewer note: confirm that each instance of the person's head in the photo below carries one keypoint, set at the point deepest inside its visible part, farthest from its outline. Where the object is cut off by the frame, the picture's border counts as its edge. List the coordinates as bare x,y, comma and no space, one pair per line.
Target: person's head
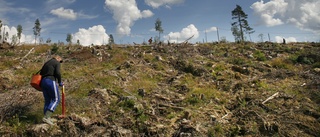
58,58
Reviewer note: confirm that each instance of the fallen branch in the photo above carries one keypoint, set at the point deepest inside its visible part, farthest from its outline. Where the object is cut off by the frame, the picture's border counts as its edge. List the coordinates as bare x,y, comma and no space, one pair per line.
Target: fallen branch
271,97
174,107
225,116
27,54
162,97
186,41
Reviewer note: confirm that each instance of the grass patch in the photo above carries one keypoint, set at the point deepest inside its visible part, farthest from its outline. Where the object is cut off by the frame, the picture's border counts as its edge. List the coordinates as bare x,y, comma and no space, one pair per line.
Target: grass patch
189,80
215,131
193,100
220,67
9,53
263,85
237,61
84,89
280,63
200,94
171,115
41,49
316,65
18,127
146,81
119,56
83,106
6,64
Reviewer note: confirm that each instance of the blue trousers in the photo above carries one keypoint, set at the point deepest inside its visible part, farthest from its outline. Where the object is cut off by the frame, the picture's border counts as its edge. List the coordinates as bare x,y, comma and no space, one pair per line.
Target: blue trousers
51,94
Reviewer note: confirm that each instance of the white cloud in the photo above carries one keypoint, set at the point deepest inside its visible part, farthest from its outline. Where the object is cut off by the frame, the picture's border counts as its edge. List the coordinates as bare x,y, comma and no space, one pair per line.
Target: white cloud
60,1
7,30
146,13
268,11
52,4
94,35
84,16
158,3
29,39
304,14
64,13
126,12
183,35
211,29
70,14
279,39
13,31
270,21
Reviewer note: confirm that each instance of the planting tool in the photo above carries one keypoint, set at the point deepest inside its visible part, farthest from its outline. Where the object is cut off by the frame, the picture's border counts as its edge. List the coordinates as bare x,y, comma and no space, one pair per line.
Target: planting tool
63,115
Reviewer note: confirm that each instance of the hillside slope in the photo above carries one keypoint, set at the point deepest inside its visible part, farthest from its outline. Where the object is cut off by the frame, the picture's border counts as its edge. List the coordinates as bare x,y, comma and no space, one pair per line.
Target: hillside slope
230,89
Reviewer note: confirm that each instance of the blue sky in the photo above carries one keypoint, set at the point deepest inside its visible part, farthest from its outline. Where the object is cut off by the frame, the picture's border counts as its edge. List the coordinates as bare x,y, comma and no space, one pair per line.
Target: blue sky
134,20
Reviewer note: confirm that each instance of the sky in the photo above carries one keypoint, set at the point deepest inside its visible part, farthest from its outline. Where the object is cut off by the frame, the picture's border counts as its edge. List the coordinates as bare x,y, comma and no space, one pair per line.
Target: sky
133,21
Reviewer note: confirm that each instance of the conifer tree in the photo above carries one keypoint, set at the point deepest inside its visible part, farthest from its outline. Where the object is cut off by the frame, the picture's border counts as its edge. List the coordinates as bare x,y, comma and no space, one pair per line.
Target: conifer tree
36,29
19,29
0,29
69,38
158,27
240,25
111,40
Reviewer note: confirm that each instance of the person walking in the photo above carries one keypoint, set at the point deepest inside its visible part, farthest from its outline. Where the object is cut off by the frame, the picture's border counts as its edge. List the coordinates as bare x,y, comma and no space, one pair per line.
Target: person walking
150,40
283,41
50,73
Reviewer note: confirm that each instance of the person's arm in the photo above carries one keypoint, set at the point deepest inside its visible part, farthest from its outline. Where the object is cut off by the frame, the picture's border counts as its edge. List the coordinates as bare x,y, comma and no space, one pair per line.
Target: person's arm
57,73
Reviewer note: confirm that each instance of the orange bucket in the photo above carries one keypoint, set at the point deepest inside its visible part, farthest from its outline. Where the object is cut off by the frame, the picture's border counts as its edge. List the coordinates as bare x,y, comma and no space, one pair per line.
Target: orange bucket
35,81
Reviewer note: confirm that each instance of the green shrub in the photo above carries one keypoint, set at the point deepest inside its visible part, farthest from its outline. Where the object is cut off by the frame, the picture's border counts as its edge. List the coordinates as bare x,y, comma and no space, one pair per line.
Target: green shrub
220,67
18,125
293,58
194,100
9,53
260,56
238,61
215,131
54,49
305,60
316,65
141,117
129,104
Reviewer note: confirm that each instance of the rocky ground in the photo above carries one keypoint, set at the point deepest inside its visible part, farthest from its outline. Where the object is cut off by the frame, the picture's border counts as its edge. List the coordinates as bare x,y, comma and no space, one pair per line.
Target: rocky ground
178,90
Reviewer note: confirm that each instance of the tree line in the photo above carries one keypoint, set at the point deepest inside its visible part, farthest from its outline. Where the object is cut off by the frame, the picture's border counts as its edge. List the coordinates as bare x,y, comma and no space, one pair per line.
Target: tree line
239,28
15,39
